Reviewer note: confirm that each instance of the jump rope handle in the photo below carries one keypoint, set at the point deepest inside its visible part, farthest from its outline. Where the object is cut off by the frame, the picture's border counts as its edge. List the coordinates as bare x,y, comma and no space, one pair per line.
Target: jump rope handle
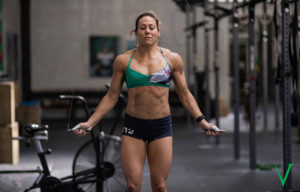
216,129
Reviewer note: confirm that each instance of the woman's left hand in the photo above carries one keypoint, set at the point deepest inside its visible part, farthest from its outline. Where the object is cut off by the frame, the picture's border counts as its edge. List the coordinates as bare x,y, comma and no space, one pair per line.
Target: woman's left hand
208,128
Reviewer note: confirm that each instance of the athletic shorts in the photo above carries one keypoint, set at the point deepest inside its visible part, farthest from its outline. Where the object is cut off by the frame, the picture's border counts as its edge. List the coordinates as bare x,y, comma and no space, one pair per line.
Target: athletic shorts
147,130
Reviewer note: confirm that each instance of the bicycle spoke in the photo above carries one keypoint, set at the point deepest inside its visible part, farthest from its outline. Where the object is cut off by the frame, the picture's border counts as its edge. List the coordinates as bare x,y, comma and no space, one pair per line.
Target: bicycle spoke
108,186
118,166
91,185
86,164
120,182
85,160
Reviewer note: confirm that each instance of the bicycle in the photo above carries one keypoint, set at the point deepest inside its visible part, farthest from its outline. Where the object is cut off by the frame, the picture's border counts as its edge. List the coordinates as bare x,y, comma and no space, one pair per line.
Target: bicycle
96,165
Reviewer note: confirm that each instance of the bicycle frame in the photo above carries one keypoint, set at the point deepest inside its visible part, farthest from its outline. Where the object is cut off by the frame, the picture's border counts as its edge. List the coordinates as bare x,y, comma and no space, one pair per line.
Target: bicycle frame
97,143
93,175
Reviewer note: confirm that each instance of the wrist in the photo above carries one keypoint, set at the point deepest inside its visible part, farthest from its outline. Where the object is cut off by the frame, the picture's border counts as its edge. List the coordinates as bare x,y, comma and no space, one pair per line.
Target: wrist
200,118
89,125
203,123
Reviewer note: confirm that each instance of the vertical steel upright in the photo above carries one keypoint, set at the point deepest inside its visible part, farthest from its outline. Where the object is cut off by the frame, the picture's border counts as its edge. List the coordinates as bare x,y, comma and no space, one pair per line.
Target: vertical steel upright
236,81
286,71
297,9
1,39
188,51
252,91
25,49
265,64
277,62
207,52
194,58
216,69
188,54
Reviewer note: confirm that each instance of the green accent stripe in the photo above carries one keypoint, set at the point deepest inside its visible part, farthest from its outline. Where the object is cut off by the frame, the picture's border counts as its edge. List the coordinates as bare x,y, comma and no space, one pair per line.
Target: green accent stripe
165,57
131,58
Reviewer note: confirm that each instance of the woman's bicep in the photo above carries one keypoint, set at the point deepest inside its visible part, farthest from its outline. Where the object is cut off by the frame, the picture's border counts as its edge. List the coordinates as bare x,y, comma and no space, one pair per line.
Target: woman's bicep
180,84
179,76
117,77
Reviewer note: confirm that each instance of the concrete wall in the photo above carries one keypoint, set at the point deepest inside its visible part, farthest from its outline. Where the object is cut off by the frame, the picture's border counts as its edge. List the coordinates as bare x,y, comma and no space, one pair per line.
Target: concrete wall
60,34
60,31
11,26
12,16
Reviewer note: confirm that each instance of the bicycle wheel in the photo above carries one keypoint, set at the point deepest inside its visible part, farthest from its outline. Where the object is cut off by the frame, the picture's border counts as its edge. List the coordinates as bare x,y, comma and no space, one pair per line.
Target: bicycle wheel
85,159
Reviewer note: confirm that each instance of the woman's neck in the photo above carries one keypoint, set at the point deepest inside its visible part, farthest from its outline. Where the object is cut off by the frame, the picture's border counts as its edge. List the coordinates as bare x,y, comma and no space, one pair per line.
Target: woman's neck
148,51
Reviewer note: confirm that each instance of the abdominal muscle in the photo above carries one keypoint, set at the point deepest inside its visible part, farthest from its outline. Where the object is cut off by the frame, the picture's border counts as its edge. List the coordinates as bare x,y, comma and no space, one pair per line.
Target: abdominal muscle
148,102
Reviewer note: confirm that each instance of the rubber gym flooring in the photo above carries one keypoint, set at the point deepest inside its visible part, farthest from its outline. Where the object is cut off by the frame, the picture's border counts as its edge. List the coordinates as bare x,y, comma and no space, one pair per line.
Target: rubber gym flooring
198,163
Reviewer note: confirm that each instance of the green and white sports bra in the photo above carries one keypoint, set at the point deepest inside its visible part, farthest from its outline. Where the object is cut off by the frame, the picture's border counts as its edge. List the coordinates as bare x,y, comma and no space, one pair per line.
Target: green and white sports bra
160,78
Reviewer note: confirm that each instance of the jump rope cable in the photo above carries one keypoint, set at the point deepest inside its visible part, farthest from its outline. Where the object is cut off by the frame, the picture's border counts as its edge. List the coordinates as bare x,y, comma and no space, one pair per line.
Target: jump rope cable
70,112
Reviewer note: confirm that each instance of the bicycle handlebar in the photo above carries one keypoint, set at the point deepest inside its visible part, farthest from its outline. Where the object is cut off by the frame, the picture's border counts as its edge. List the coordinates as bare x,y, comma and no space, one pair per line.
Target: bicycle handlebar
84,102
79,98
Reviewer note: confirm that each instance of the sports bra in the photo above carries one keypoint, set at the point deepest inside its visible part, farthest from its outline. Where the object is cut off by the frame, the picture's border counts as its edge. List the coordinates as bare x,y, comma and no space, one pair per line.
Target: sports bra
160,78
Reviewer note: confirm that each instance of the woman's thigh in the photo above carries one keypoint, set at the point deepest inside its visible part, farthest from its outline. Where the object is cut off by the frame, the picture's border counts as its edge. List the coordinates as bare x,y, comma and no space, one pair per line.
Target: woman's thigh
160,153
133,153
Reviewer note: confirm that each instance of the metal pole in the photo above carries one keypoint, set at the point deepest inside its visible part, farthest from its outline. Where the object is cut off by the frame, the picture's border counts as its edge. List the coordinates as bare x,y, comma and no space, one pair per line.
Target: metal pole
287,153
265,66
25,49
236,82
207,51
188,51
297,8
216,68
207,96
277,107
252,91
188,60
277,62
194,35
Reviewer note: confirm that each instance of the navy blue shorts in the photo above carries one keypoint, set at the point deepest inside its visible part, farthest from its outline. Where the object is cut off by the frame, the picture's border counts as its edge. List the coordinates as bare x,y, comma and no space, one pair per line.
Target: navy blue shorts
147,130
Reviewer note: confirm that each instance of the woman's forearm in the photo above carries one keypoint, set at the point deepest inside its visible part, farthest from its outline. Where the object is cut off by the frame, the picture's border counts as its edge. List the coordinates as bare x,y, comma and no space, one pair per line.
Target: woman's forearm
189,103
105,105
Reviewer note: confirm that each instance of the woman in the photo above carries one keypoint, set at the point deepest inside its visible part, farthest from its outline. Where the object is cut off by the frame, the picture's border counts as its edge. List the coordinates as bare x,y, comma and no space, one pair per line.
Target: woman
147,71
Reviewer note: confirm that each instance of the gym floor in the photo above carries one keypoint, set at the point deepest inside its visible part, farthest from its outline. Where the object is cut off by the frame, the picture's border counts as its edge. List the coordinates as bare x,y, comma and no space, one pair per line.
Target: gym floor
198,163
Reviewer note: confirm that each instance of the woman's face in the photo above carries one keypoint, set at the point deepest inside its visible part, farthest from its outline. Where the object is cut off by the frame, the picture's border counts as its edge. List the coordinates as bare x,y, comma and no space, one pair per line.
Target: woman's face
147,32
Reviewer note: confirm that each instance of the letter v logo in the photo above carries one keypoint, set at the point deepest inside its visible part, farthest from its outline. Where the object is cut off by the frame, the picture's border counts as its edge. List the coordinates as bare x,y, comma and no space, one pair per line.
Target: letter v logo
286,174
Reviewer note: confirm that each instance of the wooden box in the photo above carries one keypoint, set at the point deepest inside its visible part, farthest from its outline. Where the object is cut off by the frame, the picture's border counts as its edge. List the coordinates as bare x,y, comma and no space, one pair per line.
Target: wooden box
7,103
28,115
9,149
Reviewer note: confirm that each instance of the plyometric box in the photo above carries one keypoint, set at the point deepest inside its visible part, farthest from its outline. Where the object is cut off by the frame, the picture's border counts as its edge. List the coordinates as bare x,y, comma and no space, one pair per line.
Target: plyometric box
7,103
9,149
28,114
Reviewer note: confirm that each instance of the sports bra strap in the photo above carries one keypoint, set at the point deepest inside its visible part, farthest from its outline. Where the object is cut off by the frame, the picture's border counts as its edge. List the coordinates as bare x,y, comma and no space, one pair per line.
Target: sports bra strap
131,57
160,51
164,56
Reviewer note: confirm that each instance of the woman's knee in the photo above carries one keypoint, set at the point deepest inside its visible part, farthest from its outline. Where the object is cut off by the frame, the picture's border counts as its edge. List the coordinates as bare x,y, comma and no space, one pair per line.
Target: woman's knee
133,187
159,186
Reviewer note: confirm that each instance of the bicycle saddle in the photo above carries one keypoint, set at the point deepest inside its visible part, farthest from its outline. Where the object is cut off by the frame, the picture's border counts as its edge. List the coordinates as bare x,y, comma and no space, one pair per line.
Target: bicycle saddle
33,129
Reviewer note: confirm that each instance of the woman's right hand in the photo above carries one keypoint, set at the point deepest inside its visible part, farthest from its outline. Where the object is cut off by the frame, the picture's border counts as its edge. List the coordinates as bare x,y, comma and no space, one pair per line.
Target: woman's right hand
82,129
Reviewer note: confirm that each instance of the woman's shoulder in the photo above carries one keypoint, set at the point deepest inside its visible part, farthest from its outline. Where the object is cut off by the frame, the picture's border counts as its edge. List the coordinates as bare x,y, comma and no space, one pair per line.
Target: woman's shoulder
173,57
170,54
125,57
129,52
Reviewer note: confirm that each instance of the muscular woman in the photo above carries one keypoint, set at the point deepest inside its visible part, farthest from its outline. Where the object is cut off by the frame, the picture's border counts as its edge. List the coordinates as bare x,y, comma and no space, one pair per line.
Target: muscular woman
147,132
